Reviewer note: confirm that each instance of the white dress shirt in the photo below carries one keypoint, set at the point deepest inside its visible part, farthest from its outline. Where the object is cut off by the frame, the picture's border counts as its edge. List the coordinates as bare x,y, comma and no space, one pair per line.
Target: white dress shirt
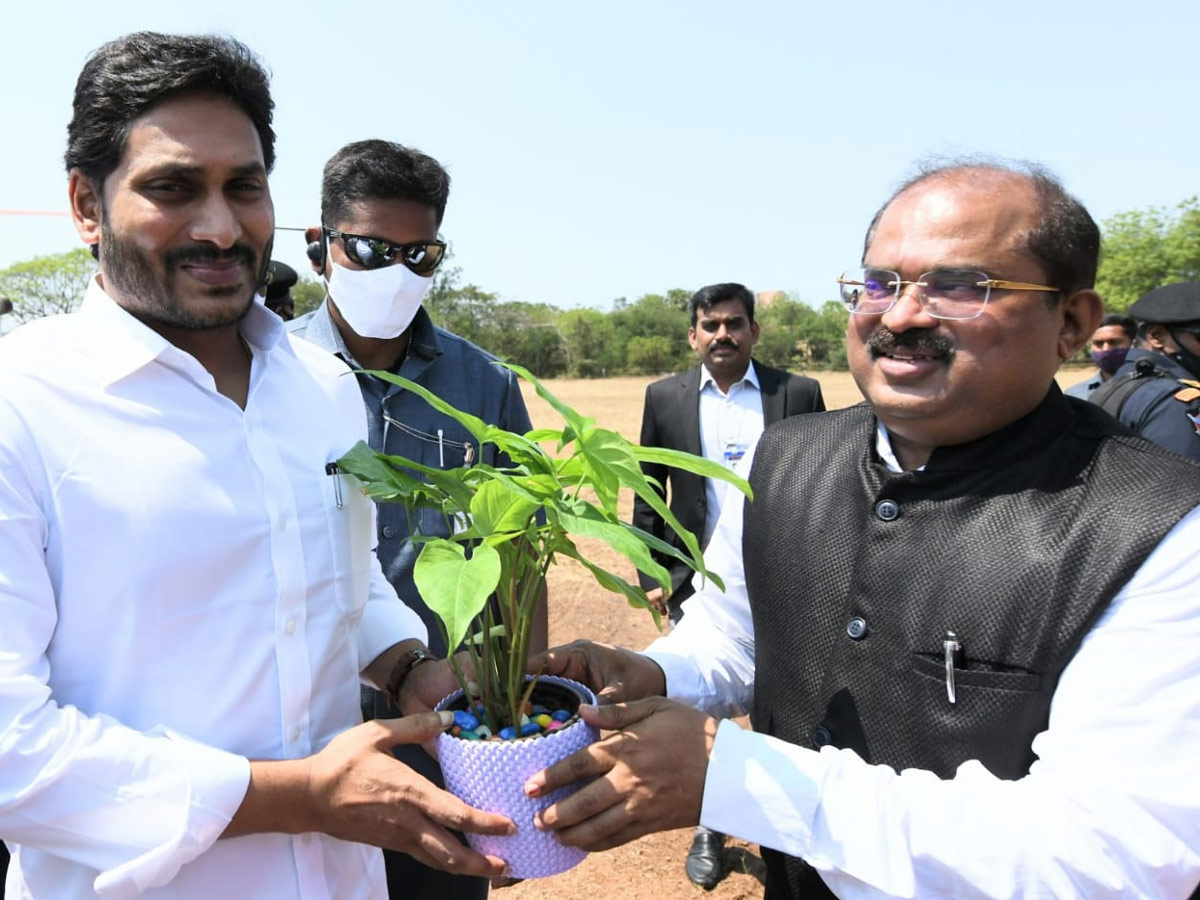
1110,808
181,590
730,424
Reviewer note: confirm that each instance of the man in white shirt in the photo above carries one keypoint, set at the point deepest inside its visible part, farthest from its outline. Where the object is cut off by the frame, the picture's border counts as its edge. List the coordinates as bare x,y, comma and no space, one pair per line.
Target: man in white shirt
716,410
188,593
965,679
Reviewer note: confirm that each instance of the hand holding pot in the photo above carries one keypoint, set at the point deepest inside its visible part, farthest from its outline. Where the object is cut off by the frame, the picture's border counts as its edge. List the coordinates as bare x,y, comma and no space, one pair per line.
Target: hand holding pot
613,673
364,794
649,775
430,682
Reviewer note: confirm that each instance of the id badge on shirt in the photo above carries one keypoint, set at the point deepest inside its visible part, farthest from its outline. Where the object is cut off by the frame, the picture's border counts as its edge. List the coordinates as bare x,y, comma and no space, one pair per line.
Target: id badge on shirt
733,453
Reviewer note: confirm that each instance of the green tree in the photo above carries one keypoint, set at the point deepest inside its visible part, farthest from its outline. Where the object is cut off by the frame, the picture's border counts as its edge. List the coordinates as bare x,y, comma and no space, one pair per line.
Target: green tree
650,354
796,336
592,350
527,334
1143,249
307,294
466,310
656,316
46,285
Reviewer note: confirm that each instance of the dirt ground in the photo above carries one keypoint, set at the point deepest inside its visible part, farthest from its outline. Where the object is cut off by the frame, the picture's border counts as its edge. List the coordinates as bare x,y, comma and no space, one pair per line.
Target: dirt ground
652,867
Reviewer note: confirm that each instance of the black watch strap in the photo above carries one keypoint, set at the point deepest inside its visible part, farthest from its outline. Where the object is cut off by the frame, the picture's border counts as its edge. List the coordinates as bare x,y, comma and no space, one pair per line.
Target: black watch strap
408,661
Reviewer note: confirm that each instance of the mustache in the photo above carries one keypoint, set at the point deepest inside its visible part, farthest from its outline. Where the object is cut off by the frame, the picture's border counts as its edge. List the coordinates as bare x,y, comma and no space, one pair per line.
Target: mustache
882,341
732,345
200,253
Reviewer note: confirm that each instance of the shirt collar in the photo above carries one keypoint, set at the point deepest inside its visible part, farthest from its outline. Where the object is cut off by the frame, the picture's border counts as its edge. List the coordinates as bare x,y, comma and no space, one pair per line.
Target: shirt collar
1045,423
883,446
751,377
321,330
126,344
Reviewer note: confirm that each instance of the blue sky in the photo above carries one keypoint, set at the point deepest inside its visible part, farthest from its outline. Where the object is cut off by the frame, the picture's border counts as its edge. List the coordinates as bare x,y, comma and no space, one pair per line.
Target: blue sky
601,150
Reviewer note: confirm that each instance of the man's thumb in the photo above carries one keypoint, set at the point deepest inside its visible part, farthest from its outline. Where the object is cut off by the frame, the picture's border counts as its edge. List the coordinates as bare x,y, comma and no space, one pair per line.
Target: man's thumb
619,715
414,729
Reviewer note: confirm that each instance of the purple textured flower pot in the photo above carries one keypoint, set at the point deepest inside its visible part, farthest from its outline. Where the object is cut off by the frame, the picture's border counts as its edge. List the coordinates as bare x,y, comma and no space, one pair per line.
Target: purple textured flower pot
490,775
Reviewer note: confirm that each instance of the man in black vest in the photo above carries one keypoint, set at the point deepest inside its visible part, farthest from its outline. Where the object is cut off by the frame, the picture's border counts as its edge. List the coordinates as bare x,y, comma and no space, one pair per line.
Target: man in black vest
716,410
969,679
1156,392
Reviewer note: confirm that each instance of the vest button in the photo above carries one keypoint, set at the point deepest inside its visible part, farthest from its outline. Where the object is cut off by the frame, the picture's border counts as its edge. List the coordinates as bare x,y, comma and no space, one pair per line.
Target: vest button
388,531
821,736
857,628
888,510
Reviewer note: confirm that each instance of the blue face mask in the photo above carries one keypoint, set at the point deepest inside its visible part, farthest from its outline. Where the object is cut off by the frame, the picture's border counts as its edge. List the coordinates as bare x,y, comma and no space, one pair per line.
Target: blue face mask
1108,361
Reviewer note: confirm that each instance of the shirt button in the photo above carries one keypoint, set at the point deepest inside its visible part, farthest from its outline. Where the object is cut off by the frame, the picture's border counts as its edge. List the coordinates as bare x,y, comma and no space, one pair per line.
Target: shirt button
295,734
887,510
291,626
389,531
821,736
857,628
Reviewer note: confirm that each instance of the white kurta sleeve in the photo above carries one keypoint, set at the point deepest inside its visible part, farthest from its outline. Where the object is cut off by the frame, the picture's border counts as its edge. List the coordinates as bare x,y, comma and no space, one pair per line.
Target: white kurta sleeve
1109,808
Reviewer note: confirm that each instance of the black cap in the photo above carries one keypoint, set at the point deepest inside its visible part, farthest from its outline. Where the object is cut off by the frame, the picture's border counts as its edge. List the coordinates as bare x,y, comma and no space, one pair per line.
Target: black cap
1171,304
283,277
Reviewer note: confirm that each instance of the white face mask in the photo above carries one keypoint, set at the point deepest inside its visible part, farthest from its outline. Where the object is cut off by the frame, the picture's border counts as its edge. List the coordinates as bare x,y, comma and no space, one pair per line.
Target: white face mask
377,303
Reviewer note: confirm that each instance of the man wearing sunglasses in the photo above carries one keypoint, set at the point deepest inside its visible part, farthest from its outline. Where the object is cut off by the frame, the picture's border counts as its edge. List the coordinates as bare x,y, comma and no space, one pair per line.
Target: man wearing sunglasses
377,250
1157,390
967,642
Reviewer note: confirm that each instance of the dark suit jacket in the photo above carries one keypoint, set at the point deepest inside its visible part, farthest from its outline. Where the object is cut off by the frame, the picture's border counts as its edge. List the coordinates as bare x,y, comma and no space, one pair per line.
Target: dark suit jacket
671,418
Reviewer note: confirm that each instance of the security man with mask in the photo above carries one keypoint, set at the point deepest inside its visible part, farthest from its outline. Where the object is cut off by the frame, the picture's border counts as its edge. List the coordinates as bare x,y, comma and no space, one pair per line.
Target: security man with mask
1156,392
377,250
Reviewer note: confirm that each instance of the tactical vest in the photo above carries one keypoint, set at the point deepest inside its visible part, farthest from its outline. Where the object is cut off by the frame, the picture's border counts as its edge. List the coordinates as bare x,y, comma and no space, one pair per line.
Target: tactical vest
1112,396
856,575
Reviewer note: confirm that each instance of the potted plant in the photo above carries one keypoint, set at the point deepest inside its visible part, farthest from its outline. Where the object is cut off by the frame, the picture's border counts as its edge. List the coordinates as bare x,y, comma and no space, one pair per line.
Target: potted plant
483,583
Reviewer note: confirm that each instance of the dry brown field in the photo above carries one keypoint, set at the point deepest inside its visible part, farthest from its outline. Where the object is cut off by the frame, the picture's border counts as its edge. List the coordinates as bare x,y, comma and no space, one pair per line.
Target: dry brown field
652,867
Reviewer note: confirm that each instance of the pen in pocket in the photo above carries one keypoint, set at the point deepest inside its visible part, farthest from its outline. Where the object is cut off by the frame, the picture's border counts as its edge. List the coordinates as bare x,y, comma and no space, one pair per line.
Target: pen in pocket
332,470
952,649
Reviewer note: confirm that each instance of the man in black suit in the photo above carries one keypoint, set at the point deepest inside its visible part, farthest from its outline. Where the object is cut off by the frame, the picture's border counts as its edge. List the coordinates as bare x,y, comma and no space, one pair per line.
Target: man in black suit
716,410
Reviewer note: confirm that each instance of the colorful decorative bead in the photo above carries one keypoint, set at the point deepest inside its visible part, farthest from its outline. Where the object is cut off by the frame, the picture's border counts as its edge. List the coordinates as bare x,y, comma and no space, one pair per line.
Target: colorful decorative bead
464,719
560,715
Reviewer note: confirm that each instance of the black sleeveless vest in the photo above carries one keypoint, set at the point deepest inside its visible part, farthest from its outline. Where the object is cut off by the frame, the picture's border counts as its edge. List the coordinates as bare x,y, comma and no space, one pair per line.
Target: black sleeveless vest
855,575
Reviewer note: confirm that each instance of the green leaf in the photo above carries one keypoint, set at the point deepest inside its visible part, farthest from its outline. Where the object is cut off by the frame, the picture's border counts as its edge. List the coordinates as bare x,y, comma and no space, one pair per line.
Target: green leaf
621,538
577,423
615,583
698,465
498,509
475,425
379,480
454,586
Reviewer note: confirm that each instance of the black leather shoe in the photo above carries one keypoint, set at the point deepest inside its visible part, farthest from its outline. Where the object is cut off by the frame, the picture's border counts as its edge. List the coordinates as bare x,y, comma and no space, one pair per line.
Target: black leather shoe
703,866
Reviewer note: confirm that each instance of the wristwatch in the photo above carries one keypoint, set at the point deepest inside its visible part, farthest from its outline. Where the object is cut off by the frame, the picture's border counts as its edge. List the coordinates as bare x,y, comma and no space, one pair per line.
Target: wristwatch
408,661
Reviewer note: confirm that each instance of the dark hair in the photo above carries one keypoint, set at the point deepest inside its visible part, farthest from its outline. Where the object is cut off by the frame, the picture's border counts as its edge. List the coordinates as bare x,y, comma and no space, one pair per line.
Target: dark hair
381,170
1128,325
125,78
1066,240
709,295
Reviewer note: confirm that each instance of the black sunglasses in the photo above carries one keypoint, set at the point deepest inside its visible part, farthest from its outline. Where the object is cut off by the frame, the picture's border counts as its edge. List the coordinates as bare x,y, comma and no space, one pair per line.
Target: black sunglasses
421,257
